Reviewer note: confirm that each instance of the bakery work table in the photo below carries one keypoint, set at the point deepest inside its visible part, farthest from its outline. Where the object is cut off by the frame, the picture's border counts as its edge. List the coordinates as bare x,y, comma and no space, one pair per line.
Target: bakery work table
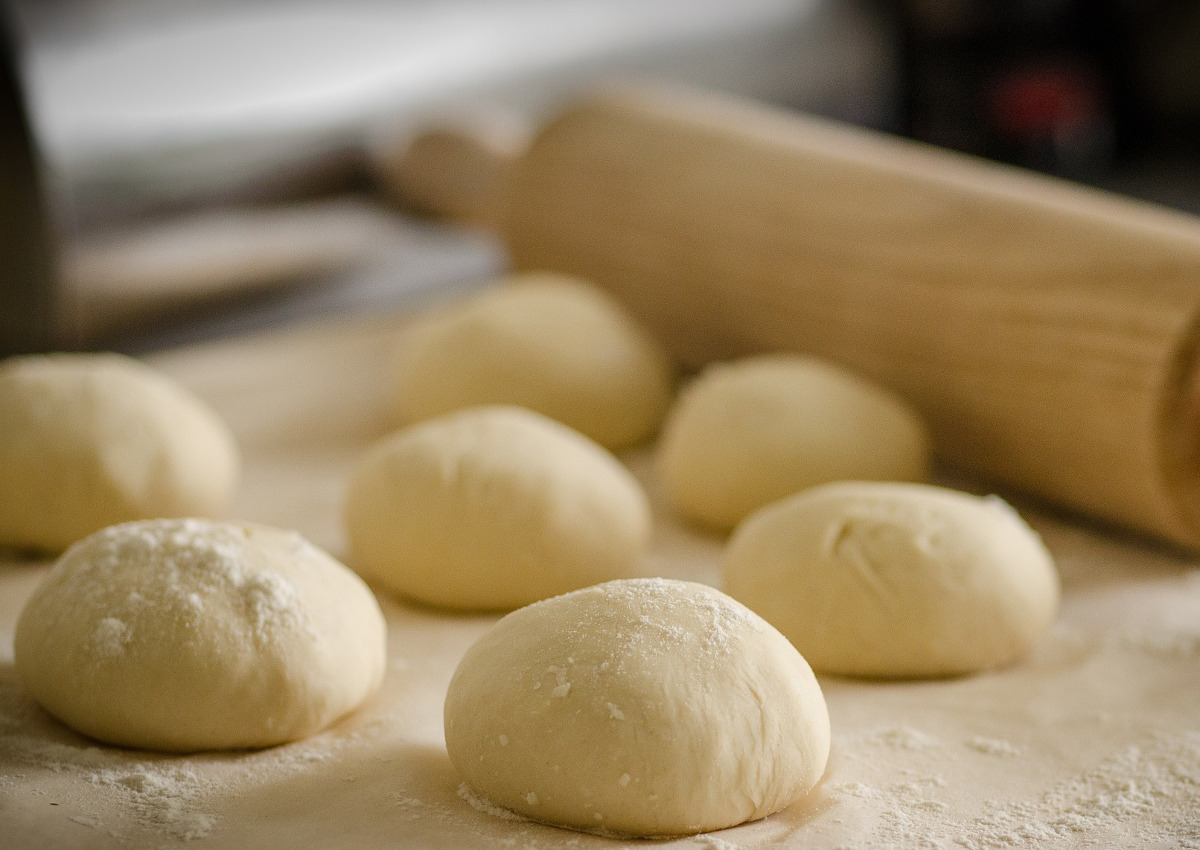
1093,740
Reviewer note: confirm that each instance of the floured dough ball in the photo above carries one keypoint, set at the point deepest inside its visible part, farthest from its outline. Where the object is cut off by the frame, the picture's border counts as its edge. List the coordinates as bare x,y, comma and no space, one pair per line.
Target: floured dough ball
91,440
549,342
492,508
895,580
188,634
643,707
747,433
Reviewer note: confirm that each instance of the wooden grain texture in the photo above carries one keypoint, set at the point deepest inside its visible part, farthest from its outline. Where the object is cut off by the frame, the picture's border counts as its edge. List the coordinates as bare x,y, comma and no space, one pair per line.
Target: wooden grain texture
1046,330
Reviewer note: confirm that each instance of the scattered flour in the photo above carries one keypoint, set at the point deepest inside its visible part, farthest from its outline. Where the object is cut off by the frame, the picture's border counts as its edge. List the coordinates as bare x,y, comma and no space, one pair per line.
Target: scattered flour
1153,789
992,746
1182,644
561,686
184,565
896,738
711,842
163,796
522,833
138,792
907,812
1156,784
154,791
413,807
110,638
483,804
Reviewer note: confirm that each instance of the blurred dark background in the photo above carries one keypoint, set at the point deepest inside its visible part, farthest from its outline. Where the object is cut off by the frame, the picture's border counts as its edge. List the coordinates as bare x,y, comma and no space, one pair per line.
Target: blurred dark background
173,171
1103,91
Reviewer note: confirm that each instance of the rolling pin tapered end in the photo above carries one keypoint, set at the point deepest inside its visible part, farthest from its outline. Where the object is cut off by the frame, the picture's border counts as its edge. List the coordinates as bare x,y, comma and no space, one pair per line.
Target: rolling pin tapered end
458,170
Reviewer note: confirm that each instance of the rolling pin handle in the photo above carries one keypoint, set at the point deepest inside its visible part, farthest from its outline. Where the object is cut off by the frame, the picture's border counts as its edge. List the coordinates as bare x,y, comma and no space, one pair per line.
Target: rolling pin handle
458,170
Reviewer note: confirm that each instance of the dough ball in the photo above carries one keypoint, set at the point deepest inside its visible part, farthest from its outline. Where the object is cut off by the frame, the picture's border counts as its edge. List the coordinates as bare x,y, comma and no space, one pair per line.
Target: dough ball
644,707
493,508
189,634
748,433
91,440
548,342
895,580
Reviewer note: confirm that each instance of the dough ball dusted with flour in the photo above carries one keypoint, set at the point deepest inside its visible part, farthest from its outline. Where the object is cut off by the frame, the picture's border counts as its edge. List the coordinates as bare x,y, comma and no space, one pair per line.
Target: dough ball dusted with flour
747,433
644,707
492,508
189,634
91,440
895,580
549,342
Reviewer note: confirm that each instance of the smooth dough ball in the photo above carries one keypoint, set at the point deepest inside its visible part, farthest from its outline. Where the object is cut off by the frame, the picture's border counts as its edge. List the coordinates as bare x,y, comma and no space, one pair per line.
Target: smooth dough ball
644,707
895,580
493,508
548,342
189,634
91,440
748,433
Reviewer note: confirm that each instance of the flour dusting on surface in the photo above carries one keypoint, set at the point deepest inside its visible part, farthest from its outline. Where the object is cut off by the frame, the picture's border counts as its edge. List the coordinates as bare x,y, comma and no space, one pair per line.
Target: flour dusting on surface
482,804
900,737
139,792
1155,785
993,746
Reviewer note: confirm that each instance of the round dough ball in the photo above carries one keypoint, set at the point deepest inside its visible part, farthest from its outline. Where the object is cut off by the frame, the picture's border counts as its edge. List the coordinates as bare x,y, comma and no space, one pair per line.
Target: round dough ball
493,508
644,707
895,580
748,433
189,634
91,440
548,342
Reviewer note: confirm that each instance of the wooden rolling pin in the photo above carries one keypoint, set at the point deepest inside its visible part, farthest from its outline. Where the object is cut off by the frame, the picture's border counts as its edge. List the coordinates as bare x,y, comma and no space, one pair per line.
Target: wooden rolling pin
1047,331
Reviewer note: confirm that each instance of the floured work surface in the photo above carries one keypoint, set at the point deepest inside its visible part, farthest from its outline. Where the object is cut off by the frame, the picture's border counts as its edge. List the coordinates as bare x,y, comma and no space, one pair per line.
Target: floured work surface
1092,741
